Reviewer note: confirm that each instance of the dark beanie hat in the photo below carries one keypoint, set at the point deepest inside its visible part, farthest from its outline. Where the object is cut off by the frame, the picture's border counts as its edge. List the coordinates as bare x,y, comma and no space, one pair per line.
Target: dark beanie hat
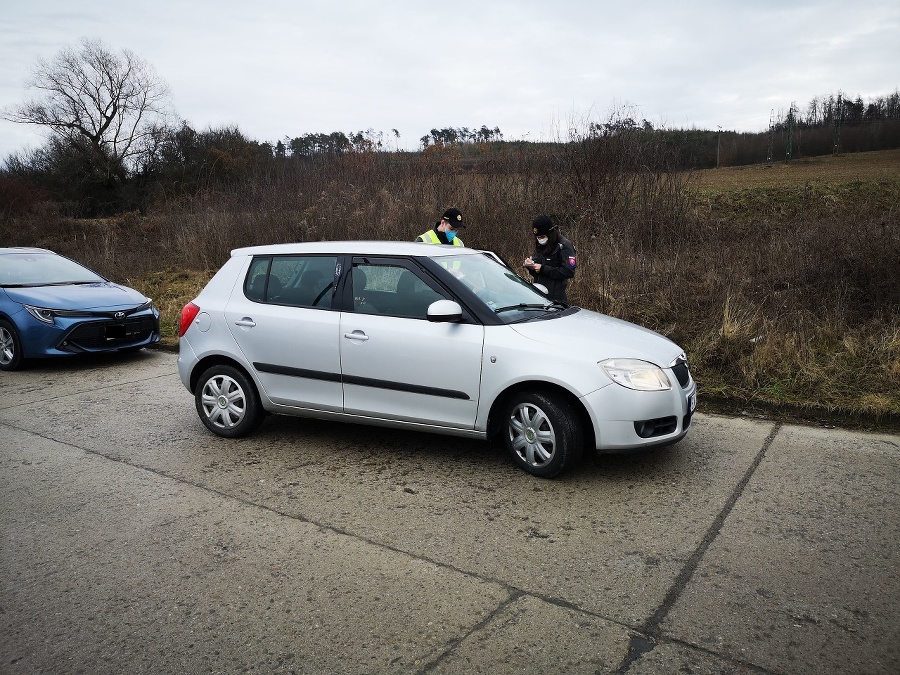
542,224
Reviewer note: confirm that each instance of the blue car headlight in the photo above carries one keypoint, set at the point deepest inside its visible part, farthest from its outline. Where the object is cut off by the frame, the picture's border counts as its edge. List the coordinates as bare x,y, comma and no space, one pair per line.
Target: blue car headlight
46,315
147,305
636,374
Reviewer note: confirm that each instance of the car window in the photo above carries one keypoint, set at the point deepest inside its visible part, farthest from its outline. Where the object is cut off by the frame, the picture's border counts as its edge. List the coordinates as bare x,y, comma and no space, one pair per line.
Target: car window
296,280
38,268
505,293
257,276
392,290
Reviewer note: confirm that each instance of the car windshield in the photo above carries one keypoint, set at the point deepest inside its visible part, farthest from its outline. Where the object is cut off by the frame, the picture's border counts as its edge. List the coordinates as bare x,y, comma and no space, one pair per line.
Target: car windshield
43,269
508,295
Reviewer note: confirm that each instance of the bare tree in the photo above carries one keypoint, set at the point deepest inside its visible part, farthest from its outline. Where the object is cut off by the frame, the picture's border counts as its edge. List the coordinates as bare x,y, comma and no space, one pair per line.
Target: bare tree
109,108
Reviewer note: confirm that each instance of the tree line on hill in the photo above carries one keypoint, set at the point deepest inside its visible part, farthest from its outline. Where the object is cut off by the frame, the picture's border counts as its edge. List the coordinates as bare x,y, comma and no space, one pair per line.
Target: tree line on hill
118,150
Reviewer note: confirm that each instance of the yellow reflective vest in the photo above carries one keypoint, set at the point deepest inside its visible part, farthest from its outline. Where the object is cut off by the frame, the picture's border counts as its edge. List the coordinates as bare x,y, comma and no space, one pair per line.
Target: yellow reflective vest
431,237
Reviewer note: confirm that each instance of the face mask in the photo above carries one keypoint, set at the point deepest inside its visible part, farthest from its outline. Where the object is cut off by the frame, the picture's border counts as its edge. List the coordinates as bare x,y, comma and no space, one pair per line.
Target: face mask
450,235
543,240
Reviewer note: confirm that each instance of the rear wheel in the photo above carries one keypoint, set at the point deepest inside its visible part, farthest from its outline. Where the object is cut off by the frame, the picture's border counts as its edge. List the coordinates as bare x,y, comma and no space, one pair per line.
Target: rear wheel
10,347
542,433
227,402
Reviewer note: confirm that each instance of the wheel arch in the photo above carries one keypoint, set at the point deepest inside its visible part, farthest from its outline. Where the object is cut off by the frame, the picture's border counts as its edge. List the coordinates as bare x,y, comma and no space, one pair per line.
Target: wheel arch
218,360
495,416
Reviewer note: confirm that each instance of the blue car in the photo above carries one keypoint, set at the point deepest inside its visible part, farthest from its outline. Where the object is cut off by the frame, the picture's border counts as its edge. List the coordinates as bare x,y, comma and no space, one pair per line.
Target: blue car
52,306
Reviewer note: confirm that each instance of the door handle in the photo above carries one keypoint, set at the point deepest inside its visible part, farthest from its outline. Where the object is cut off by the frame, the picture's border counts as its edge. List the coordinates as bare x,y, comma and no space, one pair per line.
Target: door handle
356,335
246,322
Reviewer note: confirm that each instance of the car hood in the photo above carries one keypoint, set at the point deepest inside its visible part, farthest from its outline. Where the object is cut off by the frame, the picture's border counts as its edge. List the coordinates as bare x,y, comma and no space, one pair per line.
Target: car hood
102,295
590,333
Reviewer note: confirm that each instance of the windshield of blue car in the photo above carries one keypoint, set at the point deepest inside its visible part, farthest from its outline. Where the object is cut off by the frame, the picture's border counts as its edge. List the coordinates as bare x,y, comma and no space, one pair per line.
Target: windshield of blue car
508,295
43,269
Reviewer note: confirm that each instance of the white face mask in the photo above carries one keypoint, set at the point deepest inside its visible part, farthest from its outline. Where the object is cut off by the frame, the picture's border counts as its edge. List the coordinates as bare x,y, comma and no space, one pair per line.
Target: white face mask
543,240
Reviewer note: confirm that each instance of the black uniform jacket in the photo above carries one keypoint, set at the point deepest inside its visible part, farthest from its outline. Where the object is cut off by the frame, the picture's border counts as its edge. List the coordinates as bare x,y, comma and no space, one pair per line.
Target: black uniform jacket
557,267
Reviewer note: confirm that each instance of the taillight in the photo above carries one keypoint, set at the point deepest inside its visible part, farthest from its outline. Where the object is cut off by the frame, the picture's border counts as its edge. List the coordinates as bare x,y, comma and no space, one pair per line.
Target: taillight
188,314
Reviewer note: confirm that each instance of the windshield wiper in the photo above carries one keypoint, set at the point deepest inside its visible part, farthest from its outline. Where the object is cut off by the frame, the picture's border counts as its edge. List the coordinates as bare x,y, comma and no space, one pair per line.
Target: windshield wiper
524,306
39,284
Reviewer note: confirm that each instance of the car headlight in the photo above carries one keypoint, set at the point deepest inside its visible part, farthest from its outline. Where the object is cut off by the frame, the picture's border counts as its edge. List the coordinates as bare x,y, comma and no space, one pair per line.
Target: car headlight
45,315
636,374
40,313
147,305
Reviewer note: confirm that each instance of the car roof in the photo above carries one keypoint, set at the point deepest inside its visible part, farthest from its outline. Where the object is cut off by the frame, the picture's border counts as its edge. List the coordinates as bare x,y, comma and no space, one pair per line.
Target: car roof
23,249
362,247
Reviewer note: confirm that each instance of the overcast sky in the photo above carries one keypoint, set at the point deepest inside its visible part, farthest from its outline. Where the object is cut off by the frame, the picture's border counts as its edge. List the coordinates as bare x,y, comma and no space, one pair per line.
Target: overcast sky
283,68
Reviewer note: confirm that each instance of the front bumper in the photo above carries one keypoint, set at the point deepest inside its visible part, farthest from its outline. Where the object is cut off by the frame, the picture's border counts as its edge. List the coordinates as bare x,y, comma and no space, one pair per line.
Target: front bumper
626,419
79,336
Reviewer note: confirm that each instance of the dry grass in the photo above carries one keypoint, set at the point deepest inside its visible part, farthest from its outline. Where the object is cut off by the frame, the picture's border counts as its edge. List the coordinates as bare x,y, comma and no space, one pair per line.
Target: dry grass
781,283
171,290
834,169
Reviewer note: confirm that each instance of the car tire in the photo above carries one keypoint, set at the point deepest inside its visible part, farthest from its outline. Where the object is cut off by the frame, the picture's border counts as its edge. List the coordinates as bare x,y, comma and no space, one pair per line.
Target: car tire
227,402
10,347
542,433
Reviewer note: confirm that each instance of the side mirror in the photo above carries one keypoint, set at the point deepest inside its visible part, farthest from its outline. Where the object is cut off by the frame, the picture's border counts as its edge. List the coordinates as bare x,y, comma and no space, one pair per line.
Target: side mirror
445,311
541,288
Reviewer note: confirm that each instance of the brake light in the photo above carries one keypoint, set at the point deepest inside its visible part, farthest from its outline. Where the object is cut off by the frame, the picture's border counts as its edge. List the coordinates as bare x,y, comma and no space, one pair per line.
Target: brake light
188,314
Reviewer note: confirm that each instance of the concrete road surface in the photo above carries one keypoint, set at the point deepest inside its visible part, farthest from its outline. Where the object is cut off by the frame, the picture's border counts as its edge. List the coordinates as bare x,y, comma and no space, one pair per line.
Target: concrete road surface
134,541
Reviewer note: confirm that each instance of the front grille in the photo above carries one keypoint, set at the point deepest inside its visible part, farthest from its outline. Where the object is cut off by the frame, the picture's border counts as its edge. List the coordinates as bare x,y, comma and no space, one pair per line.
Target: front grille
680,368
110,334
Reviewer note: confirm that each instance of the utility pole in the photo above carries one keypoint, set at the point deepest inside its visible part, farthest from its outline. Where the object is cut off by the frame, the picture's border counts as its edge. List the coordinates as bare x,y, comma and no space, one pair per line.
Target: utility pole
838,118
718,145
771,137
790,135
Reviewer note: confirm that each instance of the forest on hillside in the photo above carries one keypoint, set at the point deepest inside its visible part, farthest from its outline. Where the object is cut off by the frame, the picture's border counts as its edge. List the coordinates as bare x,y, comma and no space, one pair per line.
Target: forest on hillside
111,150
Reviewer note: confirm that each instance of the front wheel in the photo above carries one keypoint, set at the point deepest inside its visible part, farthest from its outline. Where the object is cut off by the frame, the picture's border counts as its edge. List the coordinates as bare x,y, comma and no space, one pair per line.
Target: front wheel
542,433
10,347
227,402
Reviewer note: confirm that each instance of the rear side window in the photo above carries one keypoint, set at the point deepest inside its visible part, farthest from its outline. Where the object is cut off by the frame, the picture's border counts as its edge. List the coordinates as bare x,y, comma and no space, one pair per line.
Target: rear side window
294,280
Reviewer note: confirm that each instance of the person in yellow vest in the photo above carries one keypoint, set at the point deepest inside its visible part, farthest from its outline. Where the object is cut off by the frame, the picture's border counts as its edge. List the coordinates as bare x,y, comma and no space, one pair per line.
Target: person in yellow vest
445,230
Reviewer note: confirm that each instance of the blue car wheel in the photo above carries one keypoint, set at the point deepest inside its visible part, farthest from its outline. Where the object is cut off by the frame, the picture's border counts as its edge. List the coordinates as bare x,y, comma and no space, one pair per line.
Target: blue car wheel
10,347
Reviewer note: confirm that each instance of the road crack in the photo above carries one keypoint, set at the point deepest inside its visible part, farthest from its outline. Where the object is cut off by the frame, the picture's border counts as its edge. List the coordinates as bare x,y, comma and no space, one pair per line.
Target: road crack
650,632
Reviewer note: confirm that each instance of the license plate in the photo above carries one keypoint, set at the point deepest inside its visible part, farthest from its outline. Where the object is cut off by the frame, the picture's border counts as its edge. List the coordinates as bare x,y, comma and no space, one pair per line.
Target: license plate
692,403
115,331
122,331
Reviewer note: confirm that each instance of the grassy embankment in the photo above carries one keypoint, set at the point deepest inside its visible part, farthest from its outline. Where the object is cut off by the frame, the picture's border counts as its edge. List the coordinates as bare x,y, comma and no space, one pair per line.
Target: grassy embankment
824,340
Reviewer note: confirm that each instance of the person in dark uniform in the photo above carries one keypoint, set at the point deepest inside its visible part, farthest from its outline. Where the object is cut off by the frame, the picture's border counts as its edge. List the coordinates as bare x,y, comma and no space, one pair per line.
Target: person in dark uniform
445,230
553,262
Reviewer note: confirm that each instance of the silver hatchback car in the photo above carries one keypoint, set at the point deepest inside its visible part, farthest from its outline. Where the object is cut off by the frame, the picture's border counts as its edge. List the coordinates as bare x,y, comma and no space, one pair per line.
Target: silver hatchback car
430,338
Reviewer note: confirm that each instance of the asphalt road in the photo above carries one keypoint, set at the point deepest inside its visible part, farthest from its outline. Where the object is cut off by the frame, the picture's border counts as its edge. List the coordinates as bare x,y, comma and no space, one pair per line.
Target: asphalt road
133,541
